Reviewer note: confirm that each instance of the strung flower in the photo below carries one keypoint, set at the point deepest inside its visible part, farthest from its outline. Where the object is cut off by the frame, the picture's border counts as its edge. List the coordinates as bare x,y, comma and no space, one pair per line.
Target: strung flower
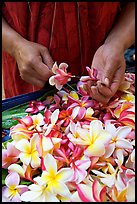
13,190
56,180
60,76
9,155
29,153
35,107
92,75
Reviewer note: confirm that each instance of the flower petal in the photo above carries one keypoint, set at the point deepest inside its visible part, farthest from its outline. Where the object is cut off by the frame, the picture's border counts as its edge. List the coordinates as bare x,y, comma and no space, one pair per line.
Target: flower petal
124,144
50,164
12,179
64,174
23,145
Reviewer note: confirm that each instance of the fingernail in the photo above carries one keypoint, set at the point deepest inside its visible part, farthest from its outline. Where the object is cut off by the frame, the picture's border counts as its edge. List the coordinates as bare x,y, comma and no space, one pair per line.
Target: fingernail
106,81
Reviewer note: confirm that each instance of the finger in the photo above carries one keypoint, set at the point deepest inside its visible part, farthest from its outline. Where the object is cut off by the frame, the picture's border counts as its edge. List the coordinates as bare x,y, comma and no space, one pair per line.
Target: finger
108,73
46,57
33,80
118,78
98,96
42,70
104,90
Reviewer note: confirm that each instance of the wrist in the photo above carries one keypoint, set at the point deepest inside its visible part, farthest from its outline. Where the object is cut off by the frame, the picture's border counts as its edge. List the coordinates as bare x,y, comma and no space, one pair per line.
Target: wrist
115,44
17,43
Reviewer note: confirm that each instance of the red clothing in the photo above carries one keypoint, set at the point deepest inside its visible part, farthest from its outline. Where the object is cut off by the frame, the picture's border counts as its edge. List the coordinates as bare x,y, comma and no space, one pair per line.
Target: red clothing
72,31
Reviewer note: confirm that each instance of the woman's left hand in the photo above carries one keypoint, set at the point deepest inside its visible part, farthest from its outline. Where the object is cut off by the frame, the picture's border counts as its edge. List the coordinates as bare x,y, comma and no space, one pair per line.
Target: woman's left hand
110,64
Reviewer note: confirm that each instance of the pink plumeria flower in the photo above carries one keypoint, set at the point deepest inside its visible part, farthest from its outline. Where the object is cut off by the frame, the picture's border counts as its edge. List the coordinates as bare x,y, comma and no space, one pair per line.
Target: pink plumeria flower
60,76
92,75
9,155
79,107
20,131
13,190
91,192
35,107
29,153
53,121
79,168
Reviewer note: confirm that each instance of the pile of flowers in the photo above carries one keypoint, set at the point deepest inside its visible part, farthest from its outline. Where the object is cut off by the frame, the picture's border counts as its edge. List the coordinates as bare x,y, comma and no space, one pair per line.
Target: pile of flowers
71,148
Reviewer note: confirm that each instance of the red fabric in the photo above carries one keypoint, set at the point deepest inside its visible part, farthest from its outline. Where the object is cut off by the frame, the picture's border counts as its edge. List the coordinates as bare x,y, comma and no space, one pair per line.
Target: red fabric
72,31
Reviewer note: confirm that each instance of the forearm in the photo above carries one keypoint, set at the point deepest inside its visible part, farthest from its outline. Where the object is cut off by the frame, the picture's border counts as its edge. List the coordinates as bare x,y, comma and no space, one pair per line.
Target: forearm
123,33
10,38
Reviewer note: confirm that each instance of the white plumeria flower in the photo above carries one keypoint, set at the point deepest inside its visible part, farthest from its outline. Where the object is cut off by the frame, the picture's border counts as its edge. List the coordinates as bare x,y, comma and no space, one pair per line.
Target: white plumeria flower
113,177
39,192
29,153
56,180
130,195
13,190
95,138
38,120
118,139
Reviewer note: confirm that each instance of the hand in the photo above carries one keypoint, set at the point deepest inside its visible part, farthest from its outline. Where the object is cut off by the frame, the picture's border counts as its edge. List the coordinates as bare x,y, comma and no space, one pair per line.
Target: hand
110,64
34,62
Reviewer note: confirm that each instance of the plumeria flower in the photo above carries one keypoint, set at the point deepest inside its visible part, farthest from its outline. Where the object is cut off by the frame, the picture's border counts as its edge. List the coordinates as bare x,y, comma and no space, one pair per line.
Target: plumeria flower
13,190
92,192
29,153
79,107
60,76
118,139
35,107
25,171
9,155
38,120
92,75
38,192
125,114
111,177
56,105
95,139
56,180
20,131
79,168
53,120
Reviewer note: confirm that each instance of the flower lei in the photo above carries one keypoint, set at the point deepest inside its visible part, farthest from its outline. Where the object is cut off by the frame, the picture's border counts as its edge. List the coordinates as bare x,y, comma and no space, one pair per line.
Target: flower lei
77,150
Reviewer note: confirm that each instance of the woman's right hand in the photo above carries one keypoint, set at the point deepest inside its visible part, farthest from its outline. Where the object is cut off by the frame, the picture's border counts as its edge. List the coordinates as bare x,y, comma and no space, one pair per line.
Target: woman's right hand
34,62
